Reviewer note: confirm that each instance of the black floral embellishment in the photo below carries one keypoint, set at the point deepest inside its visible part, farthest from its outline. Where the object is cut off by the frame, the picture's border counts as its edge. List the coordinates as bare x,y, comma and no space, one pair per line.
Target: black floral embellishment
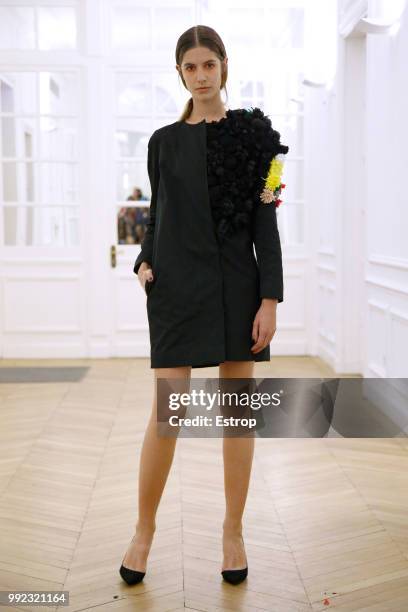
240,149
227,208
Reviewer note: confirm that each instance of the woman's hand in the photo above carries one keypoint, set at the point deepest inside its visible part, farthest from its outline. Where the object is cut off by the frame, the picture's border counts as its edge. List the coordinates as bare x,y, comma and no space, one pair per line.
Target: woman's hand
264,326
145,273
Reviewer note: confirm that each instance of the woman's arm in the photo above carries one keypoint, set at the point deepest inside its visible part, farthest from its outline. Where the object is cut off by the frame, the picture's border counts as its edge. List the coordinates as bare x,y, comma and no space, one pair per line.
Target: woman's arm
269,257
266,238
268,252
265,226
146,253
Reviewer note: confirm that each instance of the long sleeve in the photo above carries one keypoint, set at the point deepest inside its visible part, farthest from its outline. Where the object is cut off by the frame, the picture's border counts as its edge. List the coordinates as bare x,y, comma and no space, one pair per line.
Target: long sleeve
146,253
265,226
268,252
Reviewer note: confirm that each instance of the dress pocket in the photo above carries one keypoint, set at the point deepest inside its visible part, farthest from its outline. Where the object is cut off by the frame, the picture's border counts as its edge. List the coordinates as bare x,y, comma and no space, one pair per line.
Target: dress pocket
148,286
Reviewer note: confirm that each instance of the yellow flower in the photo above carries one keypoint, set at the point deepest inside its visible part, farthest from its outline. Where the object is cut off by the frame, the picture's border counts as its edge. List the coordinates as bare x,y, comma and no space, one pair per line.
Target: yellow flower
273,180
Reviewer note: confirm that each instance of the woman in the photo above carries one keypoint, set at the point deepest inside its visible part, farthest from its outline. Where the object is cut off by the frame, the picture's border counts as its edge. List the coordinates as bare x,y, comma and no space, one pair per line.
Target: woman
208,298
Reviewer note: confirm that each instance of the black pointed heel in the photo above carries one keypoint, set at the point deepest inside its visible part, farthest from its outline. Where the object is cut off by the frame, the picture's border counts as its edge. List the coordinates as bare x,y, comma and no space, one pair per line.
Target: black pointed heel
131,576
235,576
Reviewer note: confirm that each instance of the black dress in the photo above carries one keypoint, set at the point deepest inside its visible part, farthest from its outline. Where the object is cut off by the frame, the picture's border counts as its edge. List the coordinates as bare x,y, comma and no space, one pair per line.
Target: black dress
205,218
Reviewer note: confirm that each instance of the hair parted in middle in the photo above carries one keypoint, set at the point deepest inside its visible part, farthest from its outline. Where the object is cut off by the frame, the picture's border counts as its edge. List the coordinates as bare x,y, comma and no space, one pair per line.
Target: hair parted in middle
200,36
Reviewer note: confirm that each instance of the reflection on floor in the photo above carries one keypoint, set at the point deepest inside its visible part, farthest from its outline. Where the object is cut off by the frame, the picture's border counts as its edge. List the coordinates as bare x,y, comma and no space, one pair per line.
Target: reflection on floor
41,374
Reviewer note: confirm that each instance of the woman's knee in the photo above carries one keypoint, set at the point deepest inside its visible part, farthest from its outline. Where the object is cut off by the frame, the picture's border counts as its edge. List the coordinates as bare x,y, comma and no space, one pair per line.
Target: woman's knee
178,372
236,369
169,381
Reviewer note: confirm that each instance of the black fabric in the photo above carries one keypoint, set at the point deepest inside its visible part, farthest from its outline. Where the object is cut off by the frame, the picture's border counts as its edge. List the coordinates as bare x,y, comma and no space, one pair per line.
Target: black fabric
205,219
240,149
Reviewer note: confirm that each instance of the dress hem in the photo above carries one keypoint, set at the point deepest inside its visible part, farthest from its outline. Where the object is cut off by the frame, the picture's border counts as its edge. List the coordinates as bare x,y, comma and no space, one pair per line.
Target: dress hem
206,365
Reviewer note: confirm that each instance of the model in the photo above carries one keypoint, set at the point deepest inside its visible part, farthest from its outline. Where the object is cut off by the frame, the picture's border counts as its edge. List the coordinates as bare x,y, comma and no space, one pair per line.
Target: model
215,182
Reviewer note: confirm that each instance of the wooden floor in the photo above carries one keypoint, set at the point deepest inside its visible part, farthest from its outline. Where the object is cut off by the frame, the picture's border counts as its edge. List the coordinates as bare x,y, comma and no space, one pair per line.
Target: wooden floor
326,522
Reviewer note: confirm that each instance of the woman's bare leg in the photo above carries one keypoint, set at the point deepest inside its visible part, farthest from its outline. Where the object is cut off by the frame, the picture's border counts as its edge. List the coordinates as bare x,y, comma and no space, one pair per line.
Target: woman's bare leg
238,455
156,458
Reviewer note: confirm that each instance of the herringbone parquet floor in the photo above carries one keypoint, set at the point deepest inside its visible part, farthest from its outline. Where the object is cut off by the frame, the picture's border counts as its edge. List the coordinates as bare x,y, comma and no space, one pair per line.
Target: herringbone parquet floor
325,527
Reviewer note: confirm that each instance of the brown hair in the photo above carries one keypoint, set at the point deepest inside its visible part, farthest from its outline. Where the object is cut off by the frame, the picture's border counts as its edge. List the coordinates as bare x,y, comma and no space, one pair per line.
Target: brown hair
200,36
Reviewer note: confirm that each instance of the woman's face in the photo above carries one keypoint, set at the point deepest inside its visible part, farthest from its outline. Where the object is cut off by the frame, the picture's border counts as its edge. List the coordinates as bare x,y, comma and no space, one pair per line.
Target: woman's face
201,68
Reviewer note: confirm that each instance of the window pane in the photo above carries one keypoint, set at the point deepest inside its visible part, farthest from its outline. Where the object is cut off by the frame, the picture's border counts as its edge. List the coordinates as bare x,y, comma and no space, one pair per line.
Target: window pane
17,28
168,97
167,21
247,89
134,93
8,140
131,28
291,130
285,90
293,179
18,182
17,137
59,183
56,28
18,92
9,181
132,223
59,93
131,138
131,176
291,223
260,91
59,138
246,28
285,28
10,225
41,226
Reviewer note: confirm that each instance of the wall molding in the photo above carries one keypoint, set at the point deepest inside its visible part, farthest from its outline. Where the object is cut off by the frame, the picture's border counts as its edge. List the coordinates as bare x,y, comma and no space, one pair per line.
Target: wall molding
399,315
331,288
42,330
33,261
326,251
48,277
377,282
391,262
328,337
325,268
352,13
378,305
376,369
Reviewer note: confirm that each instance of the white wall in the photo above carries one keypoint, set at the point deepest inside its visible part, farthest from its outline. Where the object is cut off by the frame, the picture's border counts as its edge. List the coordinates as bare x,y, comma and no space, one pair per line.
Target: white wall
357,160
387,202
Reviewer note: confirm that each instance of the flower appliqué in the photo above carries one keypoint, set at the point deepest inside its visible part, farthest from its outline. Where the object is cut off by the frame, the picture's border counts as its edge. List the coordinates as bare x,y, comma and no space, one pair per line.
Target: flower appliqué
273,183
242,148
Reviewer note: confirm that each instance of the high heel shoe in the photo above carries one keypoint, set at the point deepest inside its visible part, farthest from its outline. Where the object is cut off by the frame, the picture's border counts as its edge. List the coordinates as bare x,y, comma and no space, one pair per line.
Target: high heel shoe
131,576
236,576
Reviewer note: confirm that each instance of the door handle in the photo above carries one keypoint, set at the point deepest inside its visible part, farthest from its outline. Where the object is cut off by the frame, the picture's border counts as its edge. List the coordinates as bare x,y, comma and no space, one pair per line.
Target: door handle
113,256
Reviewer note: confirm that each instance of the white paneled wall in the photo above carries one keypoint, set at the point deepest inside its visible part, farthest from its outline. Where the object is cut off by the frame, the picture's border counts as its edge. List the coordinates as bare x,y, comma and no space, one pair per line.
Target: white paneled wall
356,171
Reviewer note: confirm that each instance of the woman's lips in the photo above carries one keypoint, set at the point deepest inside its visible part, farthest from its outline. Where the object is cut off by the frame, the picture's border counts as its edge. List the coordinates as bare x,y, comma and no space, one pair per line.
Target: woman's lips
202,88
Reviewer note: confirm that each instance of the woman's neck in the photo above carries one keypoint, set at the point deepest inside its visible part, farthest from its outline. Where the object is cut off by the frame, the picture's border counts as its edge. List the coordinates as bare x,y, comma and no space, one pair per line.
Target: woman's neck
204,111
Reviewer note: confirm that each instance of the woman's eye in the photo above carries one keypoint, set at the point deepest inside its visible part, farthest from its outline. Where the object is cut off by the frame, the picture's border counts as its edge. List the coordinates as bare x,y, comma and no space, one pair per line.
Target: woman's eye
208,65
